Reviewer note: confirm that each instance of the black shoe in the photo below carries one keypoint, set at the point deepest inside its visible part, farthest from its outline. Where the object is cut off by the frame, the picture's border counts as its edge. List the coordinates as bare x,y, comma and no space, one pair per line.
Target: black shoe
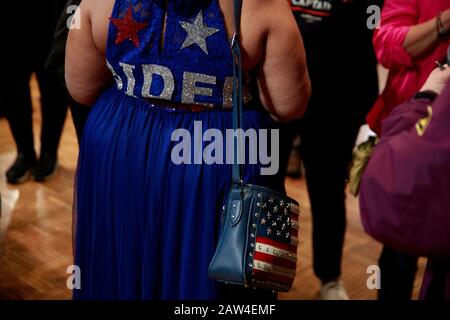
20,170
45,167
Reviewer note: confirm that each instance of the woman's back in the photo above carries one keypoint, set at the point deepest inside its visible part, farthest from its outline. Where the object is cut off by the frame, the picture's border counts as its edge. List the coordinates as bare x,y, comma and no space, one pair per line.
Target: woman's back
253,27
167,51
150,182
271,41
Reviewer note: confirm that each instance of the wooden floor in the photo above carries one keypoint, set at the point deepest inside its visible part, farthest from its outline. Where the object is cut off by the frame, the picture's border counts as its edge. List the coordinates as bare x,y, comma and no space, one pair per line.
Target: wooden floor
35,231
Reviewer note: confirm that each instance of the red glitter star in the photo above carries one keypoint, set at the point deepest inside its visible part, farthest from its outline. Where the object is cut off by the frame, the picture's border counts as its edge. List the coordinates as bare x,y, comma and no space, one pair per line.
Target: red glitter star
128,28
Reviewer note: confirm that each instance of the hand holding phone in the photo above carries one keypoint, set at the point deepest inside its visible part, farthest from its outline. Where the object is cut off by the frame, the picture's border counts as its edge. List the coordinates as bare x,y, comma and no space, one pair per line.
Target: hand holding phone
437,80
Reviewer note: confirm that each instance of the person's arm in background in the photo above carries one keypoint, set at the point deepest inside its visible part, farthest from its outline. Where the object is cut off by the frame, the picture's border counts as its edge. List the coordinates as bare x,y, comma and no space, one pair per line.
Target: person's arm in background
404,192
86,71
283,79
422,37
400,40
397,17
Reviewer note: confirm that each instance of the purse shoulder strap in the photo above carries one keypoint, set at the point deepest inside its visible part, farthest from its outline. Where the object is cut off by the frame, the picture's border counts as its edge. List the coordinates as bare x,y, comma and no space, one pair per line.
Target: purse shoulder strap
239,151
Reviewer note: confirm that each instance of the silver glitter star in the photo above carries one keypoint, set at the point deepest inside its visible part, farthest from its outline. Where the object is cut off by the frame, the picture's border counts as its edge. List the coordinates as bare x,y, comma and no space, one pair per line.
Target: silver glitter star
197,33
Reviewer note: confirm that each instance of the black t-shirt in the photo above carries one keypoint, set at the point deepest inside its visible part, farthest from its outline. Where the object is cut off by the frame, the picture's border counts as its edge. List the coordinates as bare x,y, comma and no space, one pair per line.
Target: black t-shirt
339,48
29,26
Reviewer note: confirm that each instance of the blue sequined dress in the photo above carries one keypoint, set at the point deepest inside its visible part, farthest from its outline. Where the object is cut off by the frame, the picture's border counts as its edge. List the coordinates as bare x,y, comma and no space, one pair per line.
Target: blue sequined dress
147,227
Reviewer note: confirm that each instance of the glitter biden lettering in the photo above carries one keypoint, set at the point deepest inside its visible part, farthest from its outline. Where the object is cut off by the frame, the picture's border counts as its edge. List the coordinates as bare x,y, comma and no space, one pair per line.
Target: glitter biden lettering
159,82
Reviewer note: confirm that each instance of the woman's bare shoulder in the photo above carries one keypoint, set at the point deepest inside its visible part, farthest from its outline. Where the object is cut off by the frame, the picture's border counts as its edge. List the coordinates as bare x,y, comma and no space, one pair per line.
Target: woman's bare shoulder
97,14
267,7
270,15
258,17
97,5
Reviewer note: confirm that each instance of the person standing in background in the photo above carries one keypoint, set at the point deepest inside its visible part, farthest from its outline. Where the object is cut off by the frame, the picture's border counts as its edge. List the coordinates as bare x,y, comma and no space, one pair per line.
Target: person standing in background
414,34
342,67
56,59
2,112
29,40
404,193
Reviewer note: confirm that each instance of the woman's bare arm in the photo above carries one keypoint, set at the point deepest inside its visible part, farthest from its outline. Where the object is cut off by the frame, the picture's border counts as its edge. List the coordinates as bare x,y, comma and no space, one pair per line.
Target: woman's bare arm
86,71
283,79
422,37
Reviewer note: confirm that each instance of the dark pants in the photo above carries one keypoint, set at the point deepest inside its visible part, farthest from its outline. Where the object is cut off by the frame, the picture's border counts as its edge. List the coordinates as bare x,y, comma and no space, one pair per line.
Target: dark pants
80,114
19,111
398,271
26,50
436,282
2,107
328,133
326,161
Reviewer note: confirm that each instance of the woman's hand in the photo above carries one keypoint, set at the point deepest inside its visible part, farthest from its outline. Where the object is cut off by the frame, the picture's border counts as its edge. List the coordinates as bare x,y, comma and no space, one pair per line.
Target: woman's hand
424,36
437,80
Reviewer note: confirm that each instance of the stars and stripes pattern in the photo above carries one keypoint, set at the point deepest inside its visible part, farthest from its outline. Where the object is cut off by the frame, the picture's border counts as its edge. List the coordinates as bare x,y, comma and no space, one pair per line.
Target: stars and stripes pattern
274,251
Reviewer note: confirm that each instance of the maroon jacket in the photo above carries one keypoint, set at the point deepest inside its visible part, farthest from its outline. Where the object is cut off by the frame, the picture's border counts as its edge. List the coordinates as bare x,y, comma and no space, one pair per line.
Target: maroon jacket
405,191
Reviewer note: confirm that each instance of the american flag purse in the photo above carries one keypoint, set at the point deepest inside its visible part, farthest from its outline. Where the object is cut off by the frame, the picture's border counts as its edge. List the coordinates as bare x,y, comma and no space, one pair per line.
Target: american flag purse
258,241
257,245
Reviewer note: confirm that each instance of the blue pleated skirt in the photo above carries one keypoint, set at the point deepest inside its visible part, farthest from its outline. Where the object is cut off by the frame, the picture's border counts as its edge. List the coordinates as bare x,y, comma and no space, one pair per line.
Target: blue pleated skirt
147,228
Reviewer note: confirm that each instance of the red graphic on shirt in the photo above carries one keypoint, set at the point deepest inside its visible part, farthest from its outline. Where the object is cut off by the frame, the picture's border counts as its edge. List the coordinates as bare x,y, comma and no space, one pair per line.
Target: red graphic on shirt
128,28
314,8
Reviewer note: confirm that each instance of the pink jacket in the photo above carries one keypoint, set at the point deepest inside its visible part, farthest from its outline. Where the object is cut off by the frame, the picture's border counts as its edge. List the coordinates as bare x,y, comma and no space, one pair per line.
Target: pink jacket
406,76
